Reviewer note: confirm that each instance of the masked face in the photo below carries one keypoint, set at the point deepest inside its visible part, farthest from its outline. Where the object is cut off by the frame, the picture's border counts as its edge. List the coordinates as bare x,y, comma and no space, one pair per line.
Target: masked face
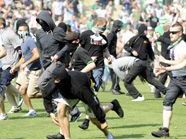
102,28
23,31
23,34
44,25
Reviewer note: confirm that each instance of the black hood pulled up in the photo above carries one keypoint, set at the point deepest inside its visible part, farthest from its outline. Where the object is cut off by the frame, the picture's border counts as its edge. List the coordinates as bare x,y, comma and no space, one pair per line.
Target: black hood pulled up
141,29
47,18
117,24
60,72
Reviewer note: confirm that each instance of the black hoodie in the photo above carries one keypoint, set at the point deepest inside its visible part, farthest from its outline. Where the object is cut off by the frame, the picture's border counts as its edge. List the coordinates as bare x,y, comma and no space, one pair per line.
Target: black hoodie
112,37
76,85
141,44
50,39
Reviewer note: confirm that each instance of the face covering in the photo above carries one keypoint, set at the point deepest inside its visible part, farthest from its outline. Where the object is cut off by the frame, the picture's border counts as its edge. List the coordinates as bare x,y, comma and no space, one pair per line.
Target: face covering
44,25
23,34
99,29
102,29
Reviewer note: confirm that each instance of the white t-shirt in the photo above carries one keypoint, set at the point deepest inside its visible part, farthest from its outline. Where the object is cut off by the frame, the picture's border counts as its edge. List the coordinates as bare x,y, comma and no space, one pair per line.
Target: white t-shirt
10,42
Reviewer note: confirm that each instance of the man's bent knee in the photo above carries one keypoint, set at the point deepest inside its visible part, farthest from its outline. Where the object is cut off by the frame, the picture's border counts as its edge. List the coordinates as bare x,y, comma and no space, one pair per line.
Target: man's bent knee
167,108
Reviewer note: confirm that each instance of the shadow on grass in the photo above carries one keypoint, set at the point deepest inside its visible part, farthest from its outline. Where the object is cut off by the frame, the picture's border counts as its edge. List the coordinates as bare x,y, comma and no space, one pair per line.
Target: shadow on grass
13,138
39,115
156,99
37,110
179,137
134,126
131,136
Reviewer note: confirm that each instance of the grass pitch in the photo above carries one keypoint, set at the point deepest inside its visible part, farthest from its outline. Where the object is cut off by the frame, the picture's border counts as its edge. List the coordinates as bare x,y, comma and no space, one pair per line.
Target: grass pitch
140,119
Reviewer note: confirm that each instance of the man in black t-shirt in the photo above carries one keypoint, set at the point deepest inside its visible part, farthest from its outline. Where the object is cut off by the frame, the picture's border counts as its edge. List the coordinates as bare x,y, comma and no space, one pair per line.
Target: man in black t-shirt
96,43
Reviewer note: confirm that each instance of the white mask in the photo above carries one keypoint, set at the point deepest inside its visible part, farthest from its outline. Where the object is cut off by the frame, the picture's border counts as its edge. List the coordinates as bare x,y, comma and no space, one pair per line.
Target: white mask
23,34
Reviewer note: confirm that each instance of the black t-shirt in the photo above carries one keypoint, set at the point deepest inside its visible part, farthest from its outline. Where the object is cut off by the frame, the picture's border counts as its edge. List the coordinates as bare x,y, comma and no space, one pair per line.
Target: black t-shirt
80,59
93,50
112,41
74,85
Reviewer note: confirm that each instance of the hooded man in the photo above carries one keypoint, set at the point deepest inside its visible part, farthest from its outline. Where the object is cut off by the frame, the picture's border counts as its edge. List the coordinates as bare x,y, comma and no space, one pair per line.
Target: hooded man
51,44
74,86
140,47
112,44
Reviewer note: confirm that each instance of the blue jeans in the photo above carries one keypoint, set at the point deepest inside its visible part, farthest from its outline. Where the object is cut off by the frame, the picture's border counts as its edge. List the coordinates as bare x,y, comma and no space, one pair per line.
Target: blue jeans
97,74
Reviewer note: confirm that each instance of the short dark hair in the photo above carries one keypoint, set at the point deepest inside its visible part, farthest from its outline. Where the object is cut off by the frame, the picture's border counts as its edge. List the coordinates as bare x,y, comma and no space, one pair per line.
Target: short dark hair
177,24
23,24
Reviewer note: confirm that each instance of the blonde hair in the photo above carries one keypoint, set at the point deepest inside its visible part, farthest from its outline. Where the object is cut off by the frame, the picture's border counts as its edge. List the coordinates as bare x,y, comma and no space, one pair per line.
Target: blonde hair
100,21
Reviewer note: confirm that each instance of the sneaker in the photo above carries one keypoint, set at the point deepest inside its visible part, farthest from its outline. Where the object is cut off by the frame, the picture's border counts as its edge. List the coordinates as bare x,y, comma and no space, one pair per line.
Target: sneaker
110,136
31,113
85,124
117,108
3,116
139,98
14,109
162,132
56,136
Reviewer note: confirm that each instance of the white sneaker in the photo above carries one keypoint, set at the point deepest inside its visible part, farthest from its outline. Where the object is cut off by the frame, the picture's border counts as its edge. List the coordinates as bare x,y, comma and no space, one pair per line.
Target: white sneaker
31,113
3,116
14,109
139,99
110,136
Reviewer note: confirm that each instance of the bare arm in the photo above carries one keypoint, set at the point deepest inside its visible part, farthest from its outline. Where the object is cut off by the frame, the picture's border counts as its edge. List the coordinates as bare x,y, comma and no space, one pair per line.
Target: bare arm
2,51
172,62
35,56
90,66
176,66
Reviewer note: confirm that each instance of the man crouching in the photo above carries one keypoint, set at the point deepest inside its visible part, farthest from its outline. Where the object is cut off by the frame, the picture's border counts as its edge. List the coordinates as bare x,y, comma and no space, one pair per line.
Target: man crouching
74,86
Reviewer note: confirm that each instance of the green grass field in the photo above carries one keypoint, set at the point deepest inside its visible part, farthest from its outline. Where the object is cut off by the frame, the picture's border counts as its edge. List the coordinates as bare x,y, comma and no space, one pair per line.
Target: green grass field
140,119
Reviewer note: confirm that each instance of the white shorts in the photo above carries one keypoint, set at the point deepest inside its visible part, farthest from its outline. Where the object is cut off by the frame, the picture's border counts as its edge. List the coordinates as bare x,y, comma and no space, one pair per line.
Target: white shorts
69,102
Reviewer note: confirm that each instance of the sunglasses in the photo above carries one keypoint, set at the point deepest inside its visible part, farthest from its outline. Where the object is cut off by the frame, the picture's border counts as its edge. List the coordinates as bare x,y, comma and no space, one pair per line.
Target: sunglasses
174,32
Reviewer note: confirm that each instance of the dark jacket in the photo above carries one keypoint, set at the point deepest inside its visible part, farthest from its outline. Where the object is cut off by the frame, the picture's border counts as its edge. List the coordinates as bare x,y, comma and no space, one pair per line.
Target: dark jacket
165,42
76,85
49,42
112,37
141,44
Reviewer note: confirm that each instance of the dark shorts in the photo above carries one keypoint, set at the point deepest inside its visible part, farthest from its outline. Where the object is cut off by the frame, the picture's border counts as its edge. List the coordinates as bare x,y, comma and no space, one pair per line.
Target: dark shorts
177,87
6,77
